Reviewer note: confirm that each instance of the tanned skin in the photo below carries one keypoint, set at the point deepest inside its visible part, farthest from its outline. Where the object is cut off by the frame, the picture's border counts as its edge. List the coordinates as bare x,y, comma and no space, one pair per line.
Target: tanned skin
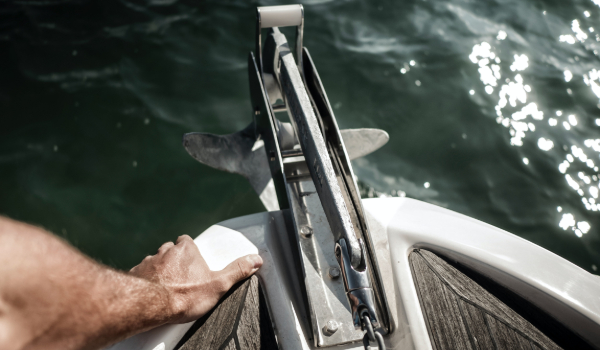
54,297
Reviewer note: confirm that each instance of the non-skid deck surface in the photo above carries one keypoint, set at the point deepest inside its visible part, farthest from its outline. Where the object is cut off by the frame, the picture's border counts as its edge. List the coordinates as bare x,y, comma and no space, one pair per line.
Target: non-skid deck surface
460,314
240,321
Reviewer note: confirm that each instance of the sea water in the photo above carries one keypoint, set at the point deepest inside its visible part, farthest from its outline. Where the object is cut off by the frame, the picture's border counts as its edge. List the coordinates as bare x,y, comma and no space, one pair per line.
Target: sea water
492,107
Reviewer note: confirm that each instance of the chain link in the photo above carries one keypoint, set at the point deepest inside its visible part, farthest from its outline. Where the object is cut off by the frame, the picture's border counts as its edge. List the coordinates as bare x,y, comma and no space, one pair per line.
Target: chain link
370,334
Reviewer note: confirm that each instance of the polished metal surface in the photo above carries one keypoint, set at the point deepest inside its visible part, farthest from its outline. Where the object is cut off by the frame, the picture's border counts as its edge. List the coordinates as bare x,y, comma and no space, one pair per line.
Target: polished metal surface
327,162
315,150
353,279
350,191
358,287
326,295
304,166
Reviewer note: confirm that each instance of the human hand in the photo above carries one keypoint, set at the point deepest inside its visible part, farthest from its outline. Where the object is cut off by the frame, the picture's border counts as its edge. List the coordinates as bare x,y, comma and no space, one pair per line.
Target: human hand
194,289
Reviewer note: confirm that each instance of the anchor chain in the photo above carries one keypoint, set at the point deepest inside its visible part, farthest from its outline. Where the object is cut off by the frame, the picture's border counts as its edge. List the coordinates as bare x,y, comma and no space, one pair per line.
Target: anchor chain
370,334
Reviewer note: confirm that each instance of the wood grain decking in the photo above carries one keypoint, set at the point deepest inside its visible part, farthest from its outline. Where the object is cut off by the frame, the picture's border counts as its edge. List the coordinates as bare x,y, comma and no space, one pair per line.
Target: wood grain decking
239,322
461,314
462,310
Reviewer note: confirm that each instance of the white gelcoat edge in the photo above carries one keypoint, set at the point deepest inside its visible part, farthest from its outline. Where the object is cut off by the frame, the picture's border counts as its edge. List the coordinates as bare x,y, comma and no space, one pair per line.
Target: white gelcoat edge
408,224
220,246
541,276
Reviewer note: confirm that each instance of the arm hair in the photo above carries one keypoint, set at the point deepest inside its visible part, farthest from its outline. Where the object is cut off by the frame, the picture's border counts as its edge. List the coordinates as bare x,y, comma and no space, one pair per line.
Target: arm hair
54,297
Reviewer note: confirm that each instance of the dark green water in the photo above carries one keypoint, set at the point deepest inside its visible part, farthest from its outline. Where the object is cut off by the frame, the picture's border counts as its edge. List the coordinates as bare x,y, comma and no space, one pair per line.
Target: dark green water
95,96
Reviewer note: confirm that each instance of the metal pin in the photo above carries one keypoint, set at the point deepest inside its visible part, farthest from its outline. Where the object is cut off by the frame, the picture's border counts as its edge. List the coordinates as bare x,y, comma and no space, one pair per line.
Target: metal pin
306,231
330,328
334,272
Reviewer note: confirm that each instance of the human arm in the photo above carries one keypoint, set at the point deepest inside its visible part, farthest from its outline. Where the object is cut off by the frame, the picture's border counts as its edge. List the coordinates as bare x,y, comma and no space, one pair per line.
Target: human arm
54,297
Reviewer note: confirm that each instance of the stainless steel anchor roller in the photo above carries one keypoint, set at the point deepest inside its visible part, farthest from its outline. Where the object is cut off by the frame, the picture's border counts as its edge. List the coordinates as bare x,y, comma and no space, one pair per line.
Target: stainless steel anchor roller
303,166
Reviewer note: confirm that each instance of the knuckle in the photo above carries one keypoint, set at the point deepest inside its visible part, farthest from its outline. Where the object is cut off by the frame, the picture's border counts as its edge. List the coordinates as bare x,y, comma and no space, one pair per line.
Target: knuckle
184,238
243,269
165,246
222,285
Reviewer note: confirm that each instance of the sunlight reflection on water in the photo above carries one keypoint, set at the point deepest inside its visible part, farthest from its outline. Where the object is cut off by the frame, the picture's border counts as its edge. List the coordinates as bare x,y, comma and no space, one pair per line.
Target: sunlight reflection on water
514,94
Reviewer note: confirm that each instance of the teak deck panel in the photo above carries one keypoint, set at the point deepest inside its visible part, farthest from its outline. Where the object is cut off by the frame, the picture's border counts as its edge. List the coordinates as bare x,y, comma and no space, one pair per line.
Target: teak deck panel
462,310
240,321
461,314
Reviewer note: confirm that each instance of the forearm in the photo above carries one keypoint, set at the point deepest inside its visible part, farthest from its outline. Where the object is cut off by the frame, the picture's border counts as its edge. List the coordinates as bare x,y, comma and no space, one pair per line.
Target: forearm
53,297
117,306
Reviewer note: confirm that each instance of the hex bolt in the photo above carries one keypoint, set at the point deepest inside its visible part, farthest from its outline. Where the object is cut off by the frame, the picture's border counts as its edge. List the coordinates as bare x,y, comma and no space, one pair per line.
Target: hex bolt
306,231
330,327
334,272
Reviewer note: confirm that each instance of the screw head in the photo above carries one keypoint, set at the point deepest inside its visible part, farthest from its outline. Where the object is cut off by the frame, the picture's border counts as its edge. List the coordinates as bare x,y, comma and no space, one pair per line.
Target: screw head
334,272
306,231
330,327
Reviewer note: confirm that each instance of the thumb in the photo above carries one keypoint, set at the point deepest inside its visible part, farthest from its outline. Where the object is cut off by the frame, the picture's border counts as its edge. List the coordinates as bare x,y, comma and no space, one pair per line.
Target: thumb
240,269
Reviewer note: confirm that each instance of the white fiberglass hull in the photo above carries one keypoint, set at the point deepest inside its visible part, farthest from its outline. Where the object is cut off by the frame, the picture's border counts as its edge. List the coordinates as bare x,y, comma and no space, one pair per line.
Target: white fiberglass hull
564,291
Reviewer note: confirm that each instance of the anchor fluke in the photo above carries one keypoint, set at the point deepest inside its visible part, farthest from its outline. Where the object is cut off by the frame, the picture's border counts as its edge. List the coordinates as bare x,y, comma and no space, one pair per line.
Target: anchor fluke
241,153
238,153
360,142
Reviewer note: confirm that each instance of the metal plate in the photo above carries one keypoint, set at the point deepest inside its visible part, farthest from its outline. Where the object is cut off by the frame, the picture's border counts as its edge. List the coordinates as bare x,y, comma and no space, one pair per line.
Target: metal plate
326,295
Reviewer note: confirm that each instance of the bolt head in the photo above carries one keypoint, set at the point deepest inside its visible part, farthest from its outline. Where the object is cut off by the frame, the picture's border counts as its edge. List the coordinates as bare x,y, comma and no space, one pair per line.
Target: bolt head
330,327
334,272
306,231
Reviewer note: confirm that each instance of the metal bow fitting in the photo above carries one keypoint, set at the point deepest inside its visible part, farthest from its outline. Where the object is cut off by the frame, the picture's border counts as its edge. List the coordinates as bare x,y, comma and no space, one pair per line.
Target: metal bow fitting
358,288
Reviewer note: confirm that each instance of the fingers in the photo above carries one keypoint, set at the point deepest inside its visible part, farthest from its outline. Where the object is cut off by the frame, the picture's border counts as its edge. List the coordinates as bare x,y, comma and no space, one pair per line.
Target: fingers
180,240
166,246
240,269
184,238
186,243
